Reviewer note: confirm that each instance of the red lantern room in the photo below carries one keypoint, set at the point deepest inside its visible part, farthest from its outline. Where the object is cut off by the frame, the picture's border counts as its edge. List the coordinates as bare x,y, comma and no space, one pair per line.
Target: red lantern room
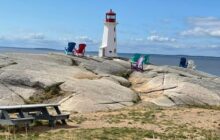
110,16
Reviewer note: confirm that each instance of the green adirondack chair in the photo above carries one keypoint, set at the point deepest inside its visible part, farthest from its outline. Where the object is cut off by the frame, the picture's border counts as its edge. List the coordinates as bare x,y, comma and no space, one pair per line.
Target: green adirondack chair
137,63
146,59
135,58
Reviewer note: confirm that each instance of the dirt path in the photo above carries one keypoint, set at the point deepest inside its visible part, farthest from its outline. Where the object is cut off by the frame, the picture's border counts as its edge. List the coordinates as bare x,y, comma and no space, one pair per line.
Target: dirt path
162,117
140,120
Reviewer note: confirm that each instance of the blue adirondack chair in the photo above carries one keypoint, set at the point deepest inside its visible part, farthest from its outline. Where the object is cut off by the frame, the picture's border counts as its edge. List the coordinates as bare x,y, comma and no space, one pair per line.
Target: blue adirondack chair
183,62
70,48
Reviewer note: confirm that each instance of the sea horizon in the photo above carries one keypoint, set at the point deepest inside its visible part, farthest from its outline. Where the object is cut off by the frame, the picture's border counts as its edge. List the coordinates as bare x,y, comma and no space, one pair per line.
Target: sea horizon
3,48
208,64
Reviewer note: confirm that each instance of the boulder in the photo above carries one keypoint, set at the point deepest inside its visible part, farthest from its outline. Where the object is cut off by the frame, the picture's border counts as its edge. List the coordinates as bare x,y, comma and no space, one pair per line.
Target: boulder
81,84
168,86
96,95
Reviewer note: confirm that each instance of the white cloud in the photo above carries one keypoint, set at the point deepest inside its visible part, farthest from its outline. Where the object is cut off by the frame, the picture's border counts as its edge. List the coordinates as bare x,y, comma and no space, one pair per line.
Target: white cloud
30,40
84,39
199,31
156,38
34,36
195,46
28,36
203,26
204,21
138,39
87,40
39,40
79,39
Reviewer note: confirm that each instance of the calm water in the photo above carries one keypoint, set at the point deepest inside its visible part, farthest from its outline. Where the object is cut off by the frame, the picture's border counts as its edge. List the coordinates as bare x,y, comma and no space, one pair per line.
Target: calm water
206,64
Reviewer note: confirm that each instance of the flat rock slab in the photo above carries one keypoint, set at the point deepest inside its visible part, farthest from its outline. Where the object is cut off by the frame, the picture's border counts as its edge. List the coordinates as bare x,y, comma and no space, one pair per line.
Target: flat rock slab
84,83
168,86
96,95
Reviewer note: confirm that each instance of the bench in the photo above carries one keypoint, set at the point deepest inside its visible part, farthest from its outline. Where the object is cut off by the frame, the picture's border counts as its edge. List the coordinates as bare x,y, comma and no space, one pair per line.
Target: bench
28,113
60,116
19,121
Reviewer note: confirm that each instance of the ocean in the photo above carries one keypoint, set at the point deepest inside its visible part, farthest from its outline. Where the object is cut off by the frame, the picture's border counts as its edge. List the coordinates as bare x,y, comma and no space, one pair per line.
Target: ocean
204,63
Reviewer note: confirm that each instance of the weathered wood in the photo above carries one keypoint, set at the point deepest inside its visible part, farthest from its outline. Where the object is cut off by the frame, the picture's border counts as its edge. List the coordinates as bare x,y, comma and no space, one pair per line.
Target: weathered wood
61,116
6,122
25,121
26,106
29,113
5,115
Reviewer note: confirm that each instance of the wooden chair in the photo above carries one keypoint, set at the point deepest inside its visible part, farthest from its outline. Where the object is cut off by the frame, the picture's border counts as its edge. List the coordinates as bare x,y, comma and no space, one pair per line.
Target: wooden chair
81,50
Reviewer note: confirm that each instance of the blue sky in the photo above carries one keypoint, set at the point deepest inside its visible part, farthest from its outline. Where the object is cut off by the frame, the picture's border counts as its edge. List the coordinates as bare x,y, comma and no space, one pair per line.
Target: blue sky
189,27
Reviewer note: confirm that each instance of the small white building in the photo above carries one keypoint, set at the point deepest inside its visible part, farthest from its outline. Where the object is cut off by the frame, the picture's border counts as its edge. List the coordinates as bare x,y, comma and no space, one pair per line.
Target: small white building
109,40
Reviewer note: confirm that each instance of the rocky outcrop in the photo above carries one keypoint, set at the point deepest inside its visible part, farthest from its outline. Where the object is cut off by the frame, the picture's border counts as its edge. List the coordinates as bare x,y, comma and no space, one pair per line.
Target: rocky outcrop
168,86
85,84
99,94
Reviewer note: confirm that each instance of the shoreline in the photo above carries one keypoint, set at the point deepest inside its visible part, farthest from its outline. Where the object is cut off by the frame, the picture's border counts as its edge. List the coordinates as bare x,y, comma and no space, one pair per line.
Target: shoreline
95,52
206,64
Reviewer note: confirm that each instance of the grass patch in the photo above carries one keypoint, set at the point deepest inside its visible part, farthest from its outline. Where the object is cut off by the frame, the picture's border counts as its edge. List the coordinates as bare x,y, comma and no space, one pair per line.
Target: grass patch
116,118
79,119
47,93
91,134
144,115
113,133
205,107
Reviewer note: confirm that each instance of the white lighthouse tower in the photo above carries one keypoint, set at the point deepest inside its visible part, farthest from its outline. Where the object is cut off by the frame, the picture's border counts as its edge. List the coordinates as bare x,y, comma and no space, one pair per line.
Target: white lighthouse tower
109,41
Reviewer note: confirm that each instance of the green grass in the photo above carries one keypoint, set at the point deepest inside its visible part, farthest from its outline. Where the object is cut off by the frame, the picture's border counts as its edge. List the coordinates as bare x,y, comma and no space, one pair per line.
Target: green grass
115,133
47,93
205,107
146,115
79,119
91,134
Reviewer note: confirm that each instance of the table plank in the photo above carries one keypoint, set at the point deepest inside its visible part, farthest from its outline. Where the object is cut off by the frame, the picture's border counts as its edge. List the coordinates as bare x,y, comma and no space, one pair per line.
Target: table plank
26,106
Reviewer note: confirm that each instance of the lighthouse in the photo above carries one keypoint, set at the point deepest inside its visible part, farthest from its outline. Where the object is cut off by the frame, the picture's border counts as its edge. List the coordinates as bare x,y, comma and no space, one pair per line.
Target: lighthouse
109,40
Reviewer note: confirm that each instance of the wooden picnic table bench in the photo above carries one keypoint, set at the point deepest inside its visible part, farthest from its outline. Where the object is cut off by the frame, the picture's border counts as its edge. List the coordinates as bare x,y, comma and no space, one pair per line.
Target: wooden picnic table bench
28,113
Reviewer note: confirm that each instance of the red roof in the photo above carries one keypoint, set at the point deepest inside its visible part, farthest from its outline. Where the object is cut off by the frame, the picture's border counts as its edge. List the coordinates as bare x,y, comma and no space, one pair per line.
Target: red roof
110,12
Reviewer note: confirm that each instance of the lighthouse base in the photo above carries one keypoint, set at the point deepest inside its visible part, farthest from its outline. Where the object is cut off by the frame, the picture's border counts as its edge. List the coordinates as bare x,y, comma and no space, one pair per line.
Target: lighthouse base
104,52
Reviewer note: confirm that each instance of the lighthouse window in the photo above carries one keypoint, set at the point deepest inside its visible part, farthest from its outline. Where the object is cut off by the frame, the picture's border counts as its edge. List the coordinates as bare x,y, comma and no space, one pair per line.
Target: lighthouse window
114,29
114,39
111,17
114,50
110,51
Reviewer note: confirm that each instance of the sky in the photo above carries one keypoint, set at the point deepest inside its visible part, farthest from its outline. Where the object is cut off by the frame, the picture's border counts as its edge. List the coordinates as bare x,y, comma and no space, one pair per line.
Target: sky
173,27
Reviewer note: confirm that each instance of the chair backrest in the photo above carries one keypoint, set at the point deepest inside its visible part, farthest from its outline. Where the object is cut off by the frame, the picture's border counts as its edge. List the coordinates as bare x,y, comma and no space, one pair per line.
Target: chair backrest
135,58
146,59
191,64
71,46
81,48
140,61
183,62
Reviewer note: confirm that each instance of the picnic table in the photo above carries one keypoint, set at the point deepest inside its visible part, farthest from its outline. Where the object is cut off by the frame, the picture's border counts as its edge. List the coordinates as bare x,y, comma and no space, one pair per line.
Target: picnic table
26,114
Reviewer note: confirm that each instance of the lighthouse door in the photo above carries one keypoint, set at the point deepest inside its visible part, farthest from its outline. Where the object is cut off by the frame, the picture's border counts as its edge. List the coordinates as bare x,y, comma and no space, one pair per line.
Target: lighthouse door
103,52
